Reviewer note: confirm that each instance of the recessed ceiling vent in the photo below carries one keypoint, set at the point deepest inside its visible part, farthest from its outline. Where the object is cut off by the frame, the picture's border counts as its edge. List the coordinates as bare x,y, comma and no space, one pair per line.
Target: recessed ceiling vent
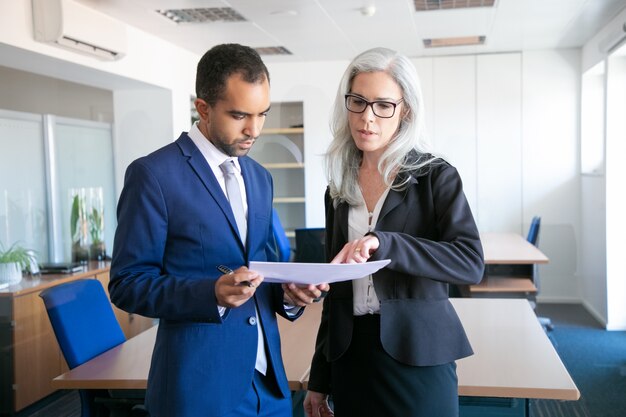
448,42
427,5
273,50
202,15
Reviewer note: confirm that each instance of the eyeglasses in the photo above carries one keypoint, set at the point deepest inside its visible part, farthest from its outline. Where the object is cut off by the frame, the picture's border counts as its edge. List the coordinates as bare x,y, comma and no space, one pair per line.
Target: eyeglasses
383,109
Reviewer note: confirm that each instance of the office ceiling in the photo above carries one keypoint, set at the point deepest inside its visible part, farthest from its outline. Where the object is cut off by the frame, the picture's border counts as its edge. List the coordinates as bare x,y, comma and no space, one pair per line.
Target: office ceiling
339,29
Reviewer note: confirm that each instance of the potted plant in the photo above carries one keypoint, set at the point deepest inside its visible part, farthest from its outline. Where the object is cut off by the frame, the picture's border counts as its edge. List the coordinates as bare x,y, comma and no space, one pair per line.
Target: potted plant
78,228
96,229
13,261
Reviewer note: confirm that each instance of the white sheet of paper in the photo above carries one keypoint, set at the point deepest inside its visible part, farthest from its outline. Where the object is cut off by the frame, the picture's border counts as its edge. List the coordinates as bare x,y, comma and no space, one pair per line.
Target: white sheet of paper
309,273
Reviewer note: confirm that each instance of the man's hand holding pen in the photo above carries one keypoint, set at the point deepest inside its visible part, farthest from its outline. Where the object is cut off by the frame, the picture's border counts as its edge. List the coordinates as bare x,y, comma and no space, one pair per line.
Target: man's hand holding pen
235,287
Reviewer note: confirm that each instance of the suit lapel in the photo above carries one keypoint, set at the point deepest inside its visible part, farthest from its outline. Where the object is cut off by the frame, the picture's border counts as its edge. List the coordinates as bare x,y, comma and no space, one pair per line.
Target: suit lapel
198,163
394,198
251,197
341,224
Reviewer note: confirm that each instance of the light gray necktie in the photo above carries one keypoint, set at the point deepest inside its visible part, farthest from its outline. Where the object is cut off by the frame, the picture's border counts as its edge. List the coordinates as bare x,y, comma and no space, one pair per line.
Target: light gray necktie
234,196
236,204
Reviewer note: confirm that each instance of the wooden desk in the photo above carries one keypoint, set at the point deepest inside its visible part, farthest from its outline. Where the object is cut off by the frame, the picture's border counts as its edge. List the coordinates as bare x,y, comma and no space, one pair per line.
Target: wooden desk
507,249
499,285
297,342
510,248
126,366
513,356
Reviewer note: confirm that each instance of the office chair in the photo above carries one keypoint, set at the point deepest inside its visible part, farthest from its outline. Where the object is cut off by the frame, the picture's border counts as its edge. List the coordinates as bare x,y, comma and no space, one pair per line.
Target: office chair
283,247
524,270
533,231
311,245
85,326
533,237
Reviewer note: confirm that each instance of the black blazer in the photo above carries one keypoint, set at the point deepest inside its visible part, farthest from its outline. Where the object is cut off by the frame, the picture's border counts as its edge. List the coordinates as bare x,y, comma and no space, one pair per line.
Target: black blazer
429,233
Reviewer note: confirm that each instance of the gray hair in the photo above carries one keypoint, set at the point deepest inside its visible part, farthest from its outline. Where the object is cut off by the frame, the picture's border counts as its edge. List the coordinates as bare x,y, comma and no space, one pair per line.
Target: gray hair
343,158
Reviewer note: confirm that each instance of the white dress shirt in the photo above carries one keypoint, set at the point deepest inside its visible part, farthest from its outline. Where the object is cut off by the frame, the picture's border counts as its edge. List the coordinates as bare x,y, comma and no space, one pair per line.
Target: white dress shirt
215,158
360,222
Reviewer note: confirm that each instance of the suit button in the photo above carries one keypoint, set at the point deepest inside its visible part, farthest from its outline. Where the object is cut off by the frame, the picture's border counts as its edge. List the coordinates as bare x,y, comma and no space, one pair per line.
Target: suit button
252,321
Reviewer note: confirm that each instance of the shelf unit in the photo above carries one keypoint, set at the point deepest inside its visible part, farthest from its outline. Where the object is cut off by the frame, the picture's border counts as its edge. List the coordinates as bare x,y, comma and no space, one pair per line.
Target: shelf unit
280,149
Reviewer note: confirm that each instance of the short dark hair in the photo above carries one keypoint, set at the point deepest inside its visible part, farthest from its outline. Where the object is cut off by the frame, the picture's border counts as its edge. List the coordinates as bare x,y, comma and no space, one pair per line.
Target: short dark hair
222,61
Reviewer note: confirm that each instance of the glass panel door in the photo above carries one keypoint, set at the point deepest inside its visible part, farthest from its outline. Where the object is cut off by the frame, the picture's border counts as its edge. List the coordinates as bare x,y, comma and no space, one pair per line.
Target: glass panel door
83,158
23,206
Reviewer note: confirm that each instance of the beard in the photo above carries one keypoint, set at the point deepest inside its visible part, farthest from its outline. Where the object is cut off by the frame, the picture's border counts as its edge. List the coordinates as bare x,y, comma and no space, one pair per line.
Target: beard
233,149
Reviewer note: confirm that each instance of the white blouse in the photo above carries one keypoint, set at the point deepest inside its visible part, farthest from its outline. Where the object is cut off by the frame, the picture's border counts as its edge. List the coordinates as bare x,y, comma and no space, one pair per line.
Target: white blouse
360,222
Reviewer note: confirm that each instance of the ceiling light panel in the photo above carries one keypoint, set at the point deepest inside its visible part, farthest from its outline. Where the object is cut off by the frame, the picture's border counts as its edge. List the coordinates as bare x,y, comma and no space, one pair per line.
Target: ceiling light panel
449,42
202,15
426,5
273,50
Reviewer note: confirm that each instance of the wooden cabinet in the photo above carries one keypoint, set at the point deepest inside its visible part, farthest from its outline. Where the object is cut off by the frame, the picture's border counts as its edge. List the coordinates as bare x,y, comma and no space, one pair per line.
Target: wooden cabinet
280,149
36,355
29,354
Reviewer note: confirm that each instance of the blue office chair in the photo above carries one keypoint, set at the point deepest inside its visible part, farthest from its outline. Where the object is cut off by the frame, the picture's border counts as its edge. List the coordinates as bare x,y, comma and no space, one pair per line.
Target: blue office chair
85,326
533,237
533,231
283,246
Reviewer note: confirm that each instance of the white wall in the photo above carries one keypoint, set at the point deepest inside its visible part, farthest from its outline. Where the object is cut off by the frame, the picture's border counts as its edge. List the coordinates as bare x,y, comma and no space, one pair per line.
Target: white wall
615,198
499,143
602,265
32,93
593,245
143,123
550,164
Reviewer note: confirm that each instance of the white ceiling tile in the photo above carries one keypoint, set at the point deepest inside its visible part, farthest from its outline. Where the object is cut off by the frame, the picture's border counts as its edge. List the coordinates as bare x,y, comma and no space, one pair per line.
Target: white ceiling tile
337,29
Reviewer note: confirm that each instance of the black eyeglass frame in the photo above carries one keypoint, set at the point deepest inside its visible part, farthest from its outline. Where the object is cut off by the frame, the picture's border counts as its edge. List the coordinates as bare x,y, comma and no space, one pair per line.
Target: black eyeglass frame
371,104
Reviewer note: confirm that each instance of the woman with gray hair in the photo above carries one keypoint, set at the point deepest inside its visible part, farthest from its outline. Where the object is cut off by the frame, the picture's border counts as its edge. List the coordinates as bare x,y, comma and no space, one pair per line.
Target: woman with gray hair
387,343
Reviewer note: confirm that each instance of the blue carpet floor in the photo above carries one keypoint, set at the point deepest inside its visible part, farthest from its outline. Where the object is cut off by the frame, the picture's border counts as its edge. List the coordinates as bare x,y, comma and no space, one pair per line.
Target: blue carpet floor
596,360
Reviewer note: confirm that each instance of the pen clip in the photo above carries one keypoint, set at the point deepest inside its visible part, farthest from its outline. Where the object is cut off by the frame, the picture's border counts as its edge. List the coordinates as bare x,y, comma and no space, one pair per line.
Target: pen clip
224,269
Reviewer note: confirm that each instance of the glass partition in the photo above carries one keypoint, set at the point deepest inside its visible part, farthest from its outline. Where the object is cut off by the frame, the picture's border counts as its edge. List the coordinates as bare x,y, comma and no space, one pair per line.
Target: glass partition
23,212
42,159
83,158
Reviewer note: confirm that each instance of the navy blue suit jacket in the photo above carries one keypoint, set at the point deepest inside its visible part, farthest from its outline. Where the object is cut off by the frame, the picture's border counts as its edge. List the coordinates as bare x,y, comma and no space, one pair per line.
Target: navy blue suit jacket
175,225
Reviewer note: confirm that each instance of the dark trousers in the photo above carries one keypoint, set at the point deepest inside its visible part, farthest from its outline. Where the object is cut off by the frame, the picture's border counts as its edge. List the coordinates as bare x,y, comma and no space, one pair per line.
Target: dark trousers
367,382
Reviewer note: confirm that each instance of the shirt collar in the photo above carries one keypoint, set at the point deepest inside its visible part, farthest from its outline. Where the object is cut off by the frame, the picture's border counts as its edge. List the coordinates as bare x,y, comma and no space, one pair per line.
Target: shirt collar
214,156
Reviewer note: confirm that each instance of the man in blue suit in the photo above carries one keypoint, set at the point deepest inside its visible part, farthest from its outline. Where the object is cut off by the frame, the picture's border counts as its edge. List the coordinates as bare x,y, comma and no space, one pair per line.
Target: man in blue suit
186,209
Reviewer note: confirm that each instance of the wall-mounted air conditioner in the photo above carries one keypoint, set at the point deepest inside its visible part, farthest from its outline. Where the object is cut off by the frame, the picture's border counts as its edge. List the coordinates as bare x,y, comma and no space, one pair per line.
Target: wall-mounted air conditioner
71,25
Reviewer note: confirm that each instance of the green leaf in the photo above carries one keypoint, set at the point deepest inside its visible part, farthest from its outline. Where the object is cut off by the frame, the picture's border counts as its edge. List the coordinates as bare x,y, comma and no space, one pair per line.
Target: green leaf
17,254
74,216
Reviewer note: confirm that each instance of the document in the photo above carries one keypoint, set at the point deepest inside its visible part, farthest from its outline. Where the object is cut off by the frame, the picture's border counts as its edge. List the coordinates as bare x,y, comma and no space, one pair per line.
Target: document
309,273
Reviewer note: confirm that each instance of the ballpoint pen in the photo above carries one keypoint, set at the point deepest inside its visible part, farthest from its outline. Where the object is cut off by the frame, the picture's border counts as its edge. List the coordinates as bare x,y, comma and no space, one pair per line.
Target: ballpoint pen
226,270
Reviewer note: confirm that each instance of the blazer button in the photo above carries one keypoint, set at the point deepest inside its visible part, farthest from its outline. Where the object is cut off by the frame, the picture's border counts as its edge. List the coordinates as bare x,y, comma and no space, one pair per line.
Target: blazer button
252,321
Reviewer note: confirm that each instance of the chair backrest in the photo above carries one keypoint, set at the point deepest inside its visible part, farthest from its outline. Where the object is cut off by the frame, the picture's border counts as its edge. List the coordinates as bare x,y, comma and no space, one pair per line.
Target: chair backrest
82,319
282,241
533,231
310,245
